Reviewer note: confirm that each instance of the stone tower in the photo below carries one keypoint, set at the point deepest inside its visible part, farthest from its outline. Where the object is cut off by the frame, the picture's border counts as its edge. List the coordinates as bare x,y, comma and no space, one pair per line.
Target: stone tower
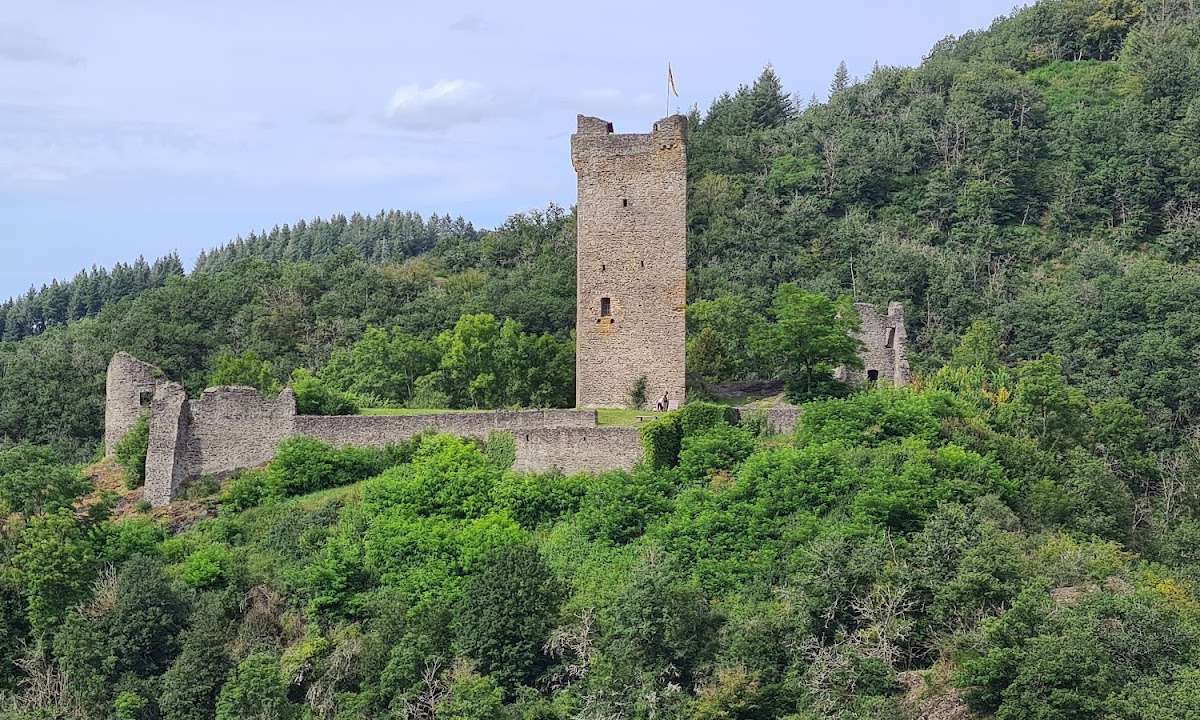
885,347
631,261
129,390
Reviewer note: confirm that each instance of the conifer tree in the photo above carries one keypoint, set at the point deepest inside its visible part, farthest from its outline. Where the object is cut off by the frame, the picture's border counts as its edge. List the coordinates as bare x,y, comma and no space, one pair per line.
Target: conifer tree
770,106
841,79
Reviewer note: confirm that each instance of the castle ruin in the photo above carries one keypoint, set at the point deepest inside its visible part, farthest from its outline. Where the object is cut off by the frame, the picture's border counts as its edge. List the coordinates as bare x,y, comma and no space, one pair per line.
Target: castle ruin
631,265
230,429
631,261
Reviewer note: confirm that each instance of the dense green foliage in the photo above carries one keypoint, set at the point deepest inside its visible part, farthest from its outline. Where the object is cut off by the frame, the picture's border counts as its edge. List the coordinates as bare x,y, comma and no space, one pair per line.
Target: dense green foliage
1017,530
1028,546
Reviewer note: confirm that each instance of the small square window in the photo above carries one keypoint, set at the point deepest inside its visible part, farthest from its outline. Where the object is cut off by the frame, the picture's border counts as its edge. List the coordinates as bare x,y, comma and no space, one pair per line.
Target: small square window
605,307
145,397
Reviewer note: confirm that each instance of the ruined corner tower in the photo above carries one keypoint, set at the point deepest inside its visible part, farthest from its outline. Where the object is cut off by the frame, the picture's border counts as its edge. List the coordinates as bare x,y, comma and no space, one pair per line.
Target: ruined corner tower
885,347
631,261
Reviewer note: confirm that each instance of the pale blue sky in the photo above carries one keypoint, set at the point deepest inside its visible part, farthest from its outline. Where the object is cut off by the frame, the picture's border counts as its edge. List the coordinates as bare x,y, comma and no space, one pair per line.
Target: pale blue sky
134,127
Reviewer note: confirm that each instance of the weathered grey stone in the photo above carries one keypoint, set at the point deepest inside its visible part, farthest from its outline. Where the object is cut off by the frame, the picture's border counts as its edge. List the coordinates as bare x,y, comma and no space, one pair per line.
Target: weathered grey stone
379,431
577,449
128,392
631,261
885,347
169,463
779,419
234,428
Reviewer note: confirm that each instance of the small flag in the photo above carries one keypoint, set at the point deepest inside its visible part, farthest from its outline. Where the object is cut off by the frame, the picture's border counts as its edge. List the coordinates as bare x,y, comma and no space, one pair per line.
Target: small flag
671,81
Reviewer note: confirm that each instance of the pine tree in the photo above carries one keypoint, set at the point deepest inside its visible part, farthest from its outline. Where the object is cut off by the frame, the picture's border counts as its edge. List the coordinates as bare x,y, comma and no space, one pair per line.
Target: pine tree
770,106
841,79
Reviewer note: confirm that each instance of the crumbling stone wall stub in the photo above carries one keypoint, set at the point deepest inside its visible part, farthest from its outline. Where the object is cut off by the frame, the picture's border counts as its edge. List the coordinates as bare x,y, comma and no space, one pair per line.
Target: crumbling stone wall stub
169,461
129,390
631,261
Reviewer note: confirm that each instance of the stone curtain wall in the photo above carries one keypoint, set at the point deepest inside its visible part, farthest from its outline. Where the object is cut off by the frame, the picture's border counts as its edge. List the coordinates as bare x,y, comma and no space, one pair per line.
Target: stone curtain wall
234,428
229,429
575,449
890,363
632,249
129,391
378,431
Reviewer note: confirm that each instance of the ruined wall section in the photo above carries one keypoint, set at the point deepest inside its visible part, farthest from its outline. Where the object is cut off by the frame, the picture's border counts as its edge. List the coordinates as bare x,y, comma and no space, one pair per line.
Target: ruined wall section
575,450
128,393
169,460
631,261
229,429
885,347
379,431
234,428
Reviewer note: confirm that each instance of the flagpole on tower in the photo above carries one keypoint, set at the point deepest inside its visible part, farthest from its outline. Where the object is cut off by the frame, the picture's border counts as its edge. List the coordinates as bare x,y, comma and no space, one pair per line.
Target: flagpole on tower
670,88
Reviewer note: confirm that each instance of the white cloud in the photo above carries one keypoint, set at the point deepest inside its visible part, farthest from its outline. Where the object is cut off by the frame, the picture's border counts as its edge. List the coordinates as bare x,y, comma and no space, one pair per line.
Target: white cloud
443,104
469,23
23,46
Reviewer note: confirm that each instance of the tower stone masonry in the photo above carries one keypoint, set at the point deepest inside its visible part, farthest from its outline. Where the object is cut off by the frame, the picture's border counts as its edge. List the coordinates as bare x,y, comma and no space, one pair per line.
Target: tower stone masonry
631,261
885,347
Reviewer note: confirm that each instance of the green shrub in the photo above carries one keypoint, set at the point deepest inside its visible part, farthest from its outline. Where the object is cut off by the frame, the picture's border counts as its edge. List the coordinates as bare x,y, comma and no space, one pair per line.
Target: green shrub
245,369
315,397
304,465
870,418
448,476
618,506
716,451
662,437
208,567
500,449
779,481
637,393
507,611
256,689
131,452
427,392
249,489
130,706
534,499
700,416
